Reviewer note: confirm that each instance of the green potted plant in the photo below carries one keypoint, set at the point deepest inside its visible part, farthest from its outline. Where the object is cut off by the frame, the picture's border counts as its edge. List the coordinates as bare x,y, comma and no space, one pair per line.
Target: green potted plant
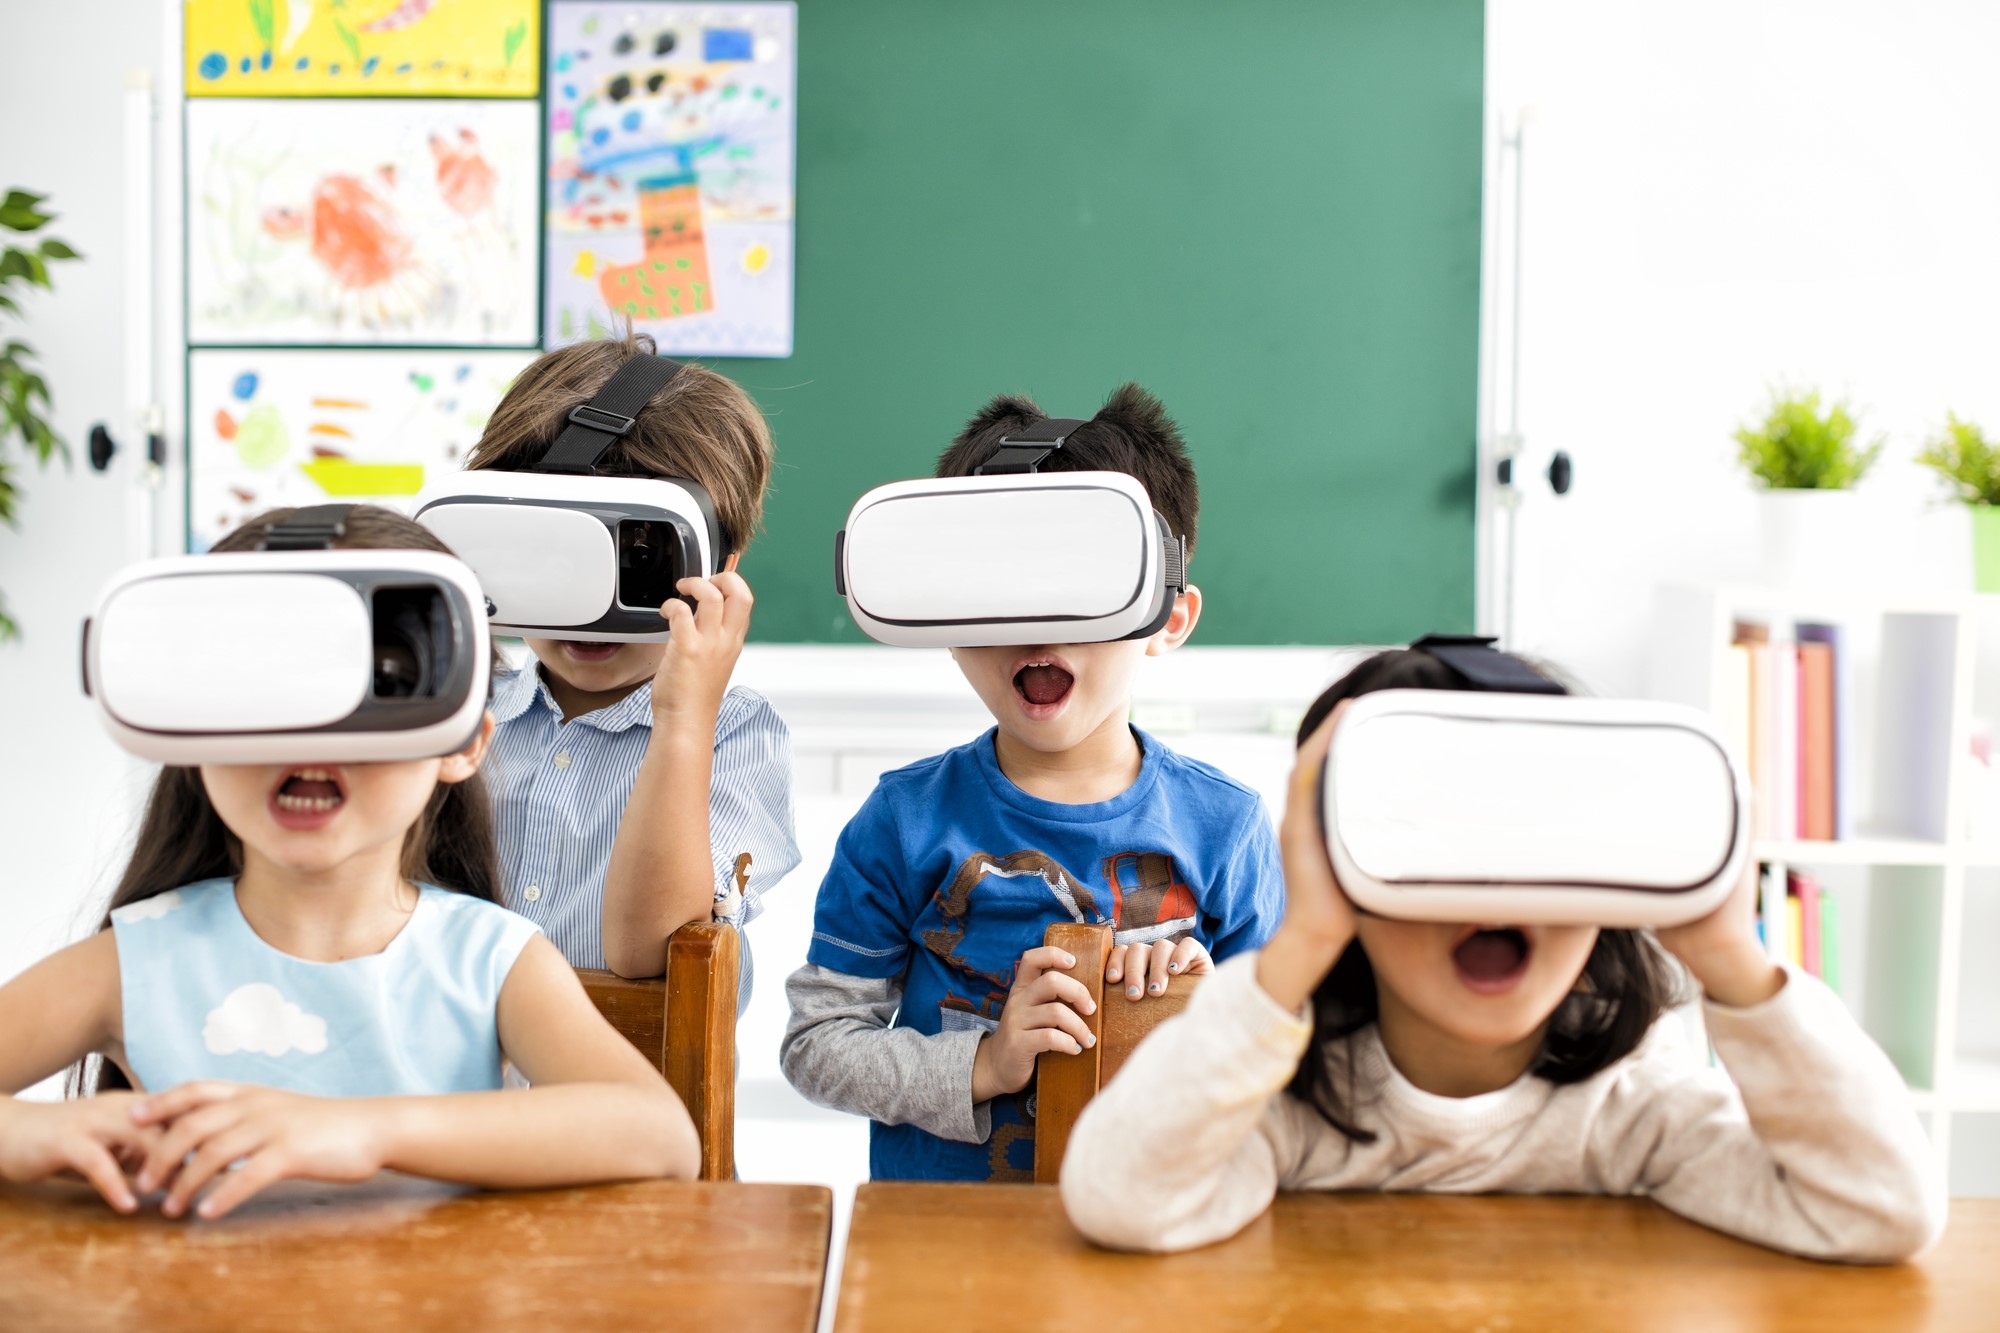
21,388
1969,463
1805,457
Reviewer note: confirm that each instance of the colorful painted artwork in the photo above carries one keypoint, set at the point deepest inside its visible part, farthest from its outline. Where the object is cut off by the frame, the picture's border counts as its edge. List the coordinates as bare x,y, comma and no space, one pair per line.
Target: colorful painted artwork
363,48
296,427
386,222
670,174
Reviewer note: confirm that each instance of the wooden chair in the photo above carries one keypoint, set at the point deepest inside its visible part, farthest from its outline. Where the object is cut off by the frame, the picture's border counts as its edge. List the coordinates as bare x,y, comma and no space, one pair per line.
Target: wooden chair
1065,1083
685,1023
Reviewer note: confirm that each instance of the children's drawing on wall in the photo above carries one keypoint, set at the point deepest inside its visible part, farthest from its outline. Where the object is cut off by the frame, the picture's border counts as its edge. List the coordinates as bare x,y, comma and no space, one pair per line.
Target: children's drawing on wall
362,222
670,174
295,427
363,48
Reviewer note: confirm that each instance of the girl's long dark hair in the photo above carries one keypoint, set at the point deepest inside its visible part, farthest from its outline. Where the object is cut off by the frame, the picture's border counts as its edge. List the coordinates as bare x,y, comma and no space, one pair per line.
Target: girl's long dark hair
1626,984
182,840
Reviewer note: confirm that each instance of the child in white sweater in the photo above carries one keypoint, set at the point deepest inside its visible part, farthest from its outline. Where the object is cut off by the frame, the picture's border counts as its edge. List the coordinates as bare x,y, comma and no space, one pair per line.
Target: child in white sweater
1357,1052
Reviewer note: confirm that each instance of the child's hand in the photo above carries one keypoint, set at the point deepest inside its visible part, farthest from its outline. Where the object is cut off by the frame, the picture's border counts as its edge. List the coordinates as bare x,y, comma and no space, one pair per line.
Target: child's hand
1043,1013
264,1134
694,673
1319,920
95,1137
1722,950
1160,960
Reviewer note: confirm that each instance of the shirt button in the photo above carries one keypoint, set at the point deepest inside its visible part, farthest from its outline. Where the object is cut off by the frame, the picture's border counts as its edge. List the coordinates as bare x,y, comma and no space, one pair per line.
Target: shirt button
532,893
562,760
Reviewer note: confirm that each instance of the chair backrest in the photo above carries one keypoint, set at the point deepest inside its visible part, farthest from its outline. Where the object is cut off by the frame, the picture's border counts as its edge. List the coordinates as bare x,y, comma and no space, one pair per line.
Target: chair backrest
1064,1084
685,1023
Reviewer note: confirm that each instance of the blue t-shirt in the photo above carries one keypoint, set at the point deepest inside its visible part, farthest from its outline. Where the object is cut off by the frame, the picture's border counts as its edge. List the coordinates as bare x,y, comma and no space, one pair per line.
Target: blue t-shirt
950,872
206,997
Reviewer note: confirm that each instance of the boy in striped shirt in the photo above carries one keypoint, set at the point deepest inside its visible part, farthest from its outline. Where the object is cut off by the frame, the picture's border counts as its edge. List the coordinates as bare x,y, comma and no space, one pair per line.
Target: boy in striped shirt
629,780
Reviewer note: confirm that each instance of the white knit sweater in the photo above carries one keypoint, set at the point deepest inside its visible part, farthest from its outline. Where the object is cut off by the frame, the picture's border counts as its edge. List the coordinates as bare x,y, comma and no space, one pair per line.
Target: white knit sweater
1807,1144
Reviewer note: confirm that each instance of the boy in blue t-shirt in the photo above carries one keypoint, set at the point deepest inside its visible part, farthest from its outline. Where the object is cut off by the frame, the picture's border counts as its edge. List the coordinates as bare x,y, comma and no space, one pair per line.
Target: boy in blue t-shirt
927,992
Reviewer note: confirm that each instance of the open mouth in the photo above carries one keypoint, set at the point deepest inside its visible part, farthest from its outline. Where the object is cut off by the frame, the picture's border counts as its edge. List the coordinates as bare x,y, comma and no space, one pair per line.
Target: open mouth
308,797
589,650
1043,682
1492,958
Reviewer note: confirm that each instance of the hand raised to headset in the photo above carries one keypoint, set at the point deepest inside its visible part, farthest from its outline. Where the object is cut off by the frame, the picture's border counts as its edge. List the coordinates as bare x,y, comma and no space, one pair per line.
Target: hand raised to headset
701,654
1722,949
1319,920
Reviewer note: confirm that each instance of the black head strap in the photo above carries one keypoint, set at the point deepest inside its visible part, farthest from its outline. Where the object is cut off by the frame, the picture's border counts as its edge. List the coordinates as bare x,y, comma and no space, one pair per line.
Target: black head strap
1024,450
609,417
1474,657
313,528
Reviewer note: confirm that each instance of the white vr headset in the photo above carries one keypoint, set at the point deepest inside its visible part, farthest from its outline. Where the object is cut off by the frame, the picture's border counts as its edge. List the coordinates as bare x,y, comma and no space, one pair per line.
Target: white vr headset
1010,555
1524,808
565,553
296,653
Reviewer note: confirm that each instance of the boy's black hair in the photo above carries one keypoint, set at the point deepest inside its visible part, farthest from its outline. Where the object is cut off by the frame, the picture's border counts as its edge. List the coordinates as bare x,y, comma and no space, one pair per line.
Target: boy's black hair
1131,433
1627,981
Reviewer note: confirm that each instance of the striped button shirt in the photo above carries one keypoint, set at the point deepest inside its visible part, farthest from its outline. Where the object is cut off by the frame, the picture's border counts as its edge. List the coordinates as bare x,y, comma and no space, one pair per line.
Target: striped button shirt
559,791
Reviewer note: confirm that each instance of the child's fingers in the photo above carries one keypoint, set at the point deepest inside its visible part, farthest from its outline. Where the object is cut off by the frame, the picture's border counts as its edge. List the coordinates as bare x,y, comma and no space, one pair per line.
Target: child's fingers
1041,959
212,1157
179,1100
1142,965
262,1170
679,619
1057,987
737,602
184,1136
1189,958
1156,969
1114,966
707,603
92,1160
1053,1039
1061,1017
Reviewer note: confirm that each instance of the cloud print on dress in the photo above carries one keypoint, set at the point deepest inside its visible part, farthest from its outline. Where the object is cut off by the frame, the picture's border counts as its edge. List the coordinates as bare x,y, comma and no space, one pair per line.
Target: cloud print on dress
150,909
259,1019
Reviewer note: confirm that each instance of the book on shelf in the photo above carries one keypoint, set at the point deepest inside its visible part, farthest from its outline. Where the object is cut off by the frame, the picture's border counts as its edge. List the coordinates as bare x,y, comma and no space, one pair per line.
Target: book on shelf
1842,733
1806,897
1785,702
1815,741
1798,922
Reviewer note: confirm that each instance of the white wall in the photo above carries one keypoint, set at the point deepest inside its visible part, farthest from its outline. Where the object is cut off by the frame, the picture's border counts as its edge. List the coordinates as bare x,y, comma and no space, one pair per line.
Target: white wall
1722,195
66,795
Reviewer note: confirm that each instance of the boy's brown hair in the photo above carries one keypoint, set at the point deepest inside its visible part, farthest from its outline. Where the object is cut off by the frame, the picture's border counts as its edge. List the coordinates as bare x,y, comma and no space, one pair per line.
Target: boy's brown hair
701,426
1131,433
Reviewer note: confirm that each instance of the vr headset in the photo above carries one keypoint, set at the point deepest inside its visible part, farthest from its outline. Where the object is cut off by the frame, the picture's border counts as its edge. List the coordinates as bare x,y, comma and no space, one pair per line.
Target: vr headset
296,652
1010,555
566,553
1537,807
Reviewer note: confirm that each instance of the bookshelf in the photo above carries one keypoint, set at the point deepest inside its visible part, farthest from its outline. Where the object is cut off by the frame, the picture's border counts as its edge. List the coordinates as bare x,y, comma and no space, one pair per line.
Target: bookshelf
1919,897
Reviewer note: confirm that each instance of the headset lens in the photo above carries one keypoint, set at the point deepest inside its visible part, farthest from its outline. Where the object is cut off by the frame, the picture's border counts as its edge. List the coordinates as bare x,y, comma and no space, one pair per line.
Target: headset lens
648,562
412,641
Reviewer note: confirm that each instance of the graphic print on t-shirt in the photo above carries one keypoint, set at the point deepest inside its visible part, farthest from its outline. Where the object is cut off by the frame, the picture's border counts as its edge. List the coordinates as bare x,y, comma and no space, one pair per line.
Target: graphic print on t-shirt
996,908
1015,898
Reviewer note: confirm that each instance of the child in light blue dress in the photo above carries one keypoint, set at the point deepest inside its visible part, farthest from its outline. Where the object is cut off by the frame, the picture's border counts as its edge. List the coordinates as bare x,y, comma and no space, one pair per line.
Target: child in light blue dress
307,973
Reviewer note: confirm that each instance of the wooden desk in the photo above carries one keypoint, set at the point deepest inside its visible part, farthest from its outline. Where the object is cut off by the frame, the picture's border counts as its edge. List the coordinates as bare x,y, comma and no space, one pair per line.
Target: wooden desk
1003,1257
400,1254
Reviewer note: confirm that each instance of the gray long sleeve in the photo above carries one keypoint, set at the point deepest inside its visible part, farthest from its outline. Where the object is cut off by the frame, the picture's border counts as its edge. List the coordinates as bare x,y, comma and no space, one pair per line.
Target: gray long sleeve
840,1051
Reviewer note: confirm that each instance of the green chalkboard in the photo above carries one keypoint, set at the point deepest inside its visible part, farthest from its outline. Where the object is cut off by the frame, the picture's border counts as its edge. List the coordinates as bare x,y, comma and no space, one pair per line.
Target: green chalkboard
1267,213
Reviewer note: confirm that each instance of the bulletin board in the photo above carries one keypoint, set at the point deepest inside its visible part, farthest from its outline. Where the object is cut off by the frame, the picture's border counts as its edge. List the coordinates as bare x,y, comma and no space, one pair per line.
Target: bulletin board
392,206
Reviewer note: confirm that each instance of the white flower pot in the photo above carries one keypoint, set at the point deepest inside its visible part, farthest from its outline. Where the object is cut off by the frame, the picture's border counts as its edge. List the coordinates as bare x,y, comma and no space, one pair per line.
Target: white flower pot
1815,539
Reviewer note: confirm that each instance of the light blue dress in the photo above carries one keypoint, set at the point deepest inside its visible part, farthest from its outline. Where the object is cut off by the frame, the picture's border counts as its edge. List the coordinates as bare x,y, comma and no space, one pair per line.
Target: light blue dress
206,997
